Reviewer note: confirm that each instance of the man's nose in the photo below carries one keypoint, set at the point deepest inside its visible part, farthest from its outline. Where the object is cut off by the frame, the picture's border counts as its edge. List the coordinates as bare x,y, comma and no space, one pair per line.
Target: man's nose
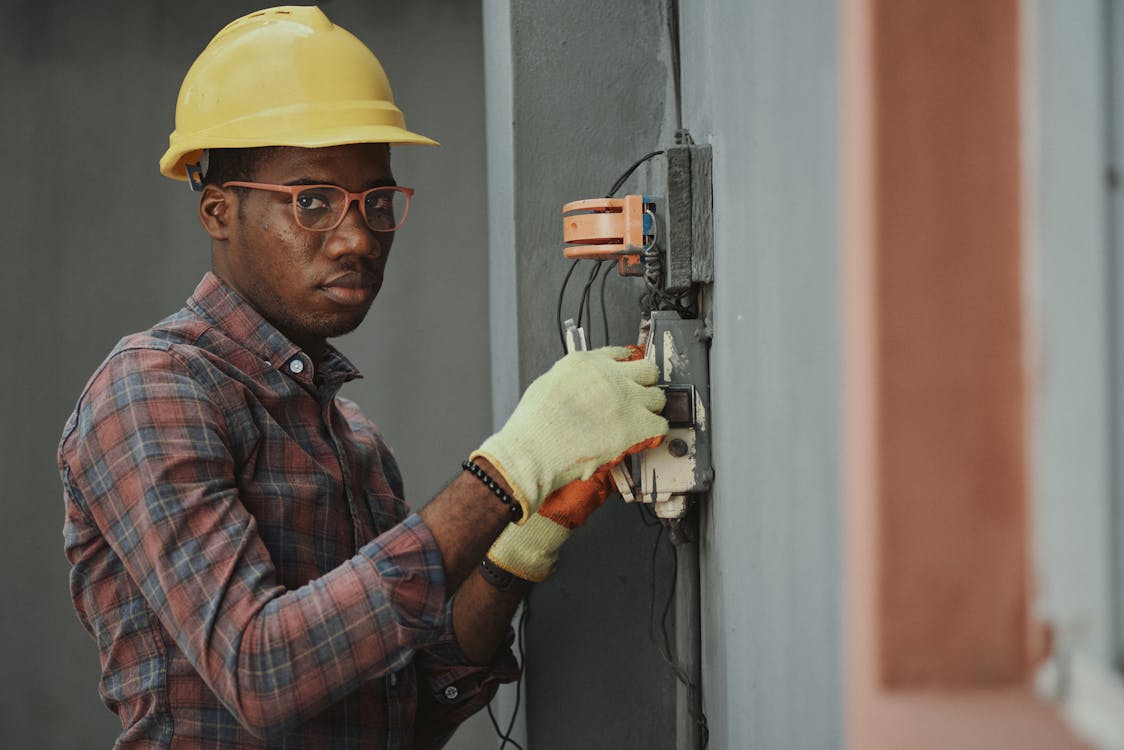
354,237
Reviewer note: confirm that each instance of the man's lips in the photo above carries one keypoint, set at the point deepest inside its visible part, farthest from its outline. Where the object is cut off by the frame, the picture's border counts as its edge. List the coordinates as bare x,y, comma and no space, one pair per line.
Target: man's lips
351,288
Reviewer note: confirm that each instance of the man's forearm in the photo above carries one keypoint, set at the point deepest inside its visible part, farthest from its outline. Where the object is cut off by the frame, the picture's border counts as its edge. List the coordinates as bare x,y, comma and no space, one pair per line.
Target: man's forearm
465,518
481,616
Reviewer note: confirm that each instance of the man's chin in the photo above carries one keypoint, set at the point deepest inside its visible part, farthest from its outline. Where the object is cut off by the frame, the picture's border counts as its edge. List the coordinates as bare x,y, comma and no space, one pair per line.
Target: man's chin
344,327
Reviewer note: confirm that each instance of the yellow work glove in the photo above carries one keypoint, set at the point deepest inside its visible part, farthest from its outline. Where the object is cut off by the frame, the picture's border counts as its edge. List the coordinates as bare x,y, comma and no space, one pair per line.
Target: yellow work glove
530,551
584,411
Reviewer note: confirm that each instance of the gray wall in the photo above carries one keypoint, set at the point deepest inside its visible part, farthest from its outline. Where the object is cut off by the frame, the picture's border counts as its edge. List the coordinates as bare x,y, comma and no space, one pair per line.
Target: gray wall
580,91
1074,297
575,95
760,82
98,244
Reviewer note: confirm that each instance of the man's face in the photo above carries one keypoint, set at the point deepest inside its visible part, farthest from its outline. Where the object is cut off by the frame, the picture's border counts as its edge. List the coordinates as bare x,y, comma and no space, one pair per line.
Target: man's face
310,285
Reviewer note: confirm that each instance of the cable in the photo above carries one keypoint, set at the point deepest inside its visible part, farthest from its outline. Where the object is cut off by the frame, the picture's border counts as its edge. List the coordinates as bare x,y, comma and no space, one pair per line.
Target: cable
604,314
583,304
522,659
664,643
521,633
561,293
628,172
587,293
676,76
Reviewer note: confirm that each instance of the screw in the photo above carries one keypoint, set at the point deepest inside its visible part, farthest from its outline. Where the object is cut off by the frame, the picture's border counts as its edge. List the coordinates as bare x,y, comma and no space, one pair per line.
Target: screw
677,447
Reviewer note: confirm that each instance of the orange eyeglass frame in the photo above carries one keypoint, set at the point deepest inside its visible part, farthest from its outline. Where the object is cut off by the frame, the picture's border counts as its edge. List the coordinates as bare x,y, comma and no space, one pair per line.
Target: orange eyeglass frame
359,197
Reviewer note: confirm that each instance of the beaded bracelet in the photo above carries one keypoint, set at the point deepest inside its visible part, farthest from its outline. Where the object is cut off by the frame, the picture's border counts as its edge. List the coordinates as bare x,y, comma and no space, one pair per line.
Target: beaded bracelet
516,509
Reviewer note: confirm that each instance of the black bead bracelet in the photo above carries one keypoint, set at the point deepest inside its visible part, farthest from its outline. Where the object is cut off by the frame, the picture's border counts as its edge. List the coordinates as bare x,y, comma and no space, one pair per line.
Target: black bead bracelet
516,509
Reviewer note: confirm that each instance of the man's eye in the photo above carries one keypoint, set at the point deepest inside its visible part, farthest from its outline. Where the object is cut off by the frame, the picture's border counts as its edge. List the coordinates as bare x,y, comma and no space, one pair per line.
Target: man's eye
381,201
313,200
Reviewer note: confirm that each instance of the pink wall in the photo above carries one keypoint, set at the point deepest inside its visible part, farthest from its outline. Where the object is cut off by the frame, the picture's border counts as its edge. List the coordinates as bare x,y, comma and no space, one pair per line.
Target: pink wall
940,642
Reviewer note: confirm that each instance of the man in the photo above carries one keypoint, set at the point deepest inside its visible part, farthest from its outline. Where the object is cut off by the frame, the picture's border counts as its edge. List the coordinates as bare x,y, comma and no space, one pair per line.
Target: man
241,551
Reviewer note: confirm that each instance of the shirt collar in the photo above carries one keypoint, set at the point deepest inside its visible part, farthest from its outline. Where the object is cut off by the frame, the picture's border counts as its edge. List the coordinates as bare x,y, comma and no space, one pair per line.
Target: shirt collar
231,314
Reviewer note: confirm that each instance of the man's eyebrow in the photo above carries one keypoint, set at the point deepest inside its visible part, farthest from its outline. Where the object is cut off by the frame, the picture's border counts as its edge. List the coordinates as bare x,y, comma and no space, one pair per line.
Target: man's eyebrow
378,182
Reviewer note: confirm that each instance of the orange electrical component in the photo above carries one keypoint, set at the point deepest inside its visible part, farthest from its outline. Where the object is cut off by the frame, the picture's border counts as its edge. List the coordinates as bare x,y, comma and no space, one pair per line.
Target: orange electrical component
607,229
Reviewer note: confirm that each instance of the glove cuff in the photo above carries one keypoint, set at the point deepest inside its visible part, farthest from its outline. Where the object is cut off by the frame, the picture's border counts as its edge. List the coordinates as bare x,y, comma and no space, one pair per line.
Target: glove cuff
515,489
529,551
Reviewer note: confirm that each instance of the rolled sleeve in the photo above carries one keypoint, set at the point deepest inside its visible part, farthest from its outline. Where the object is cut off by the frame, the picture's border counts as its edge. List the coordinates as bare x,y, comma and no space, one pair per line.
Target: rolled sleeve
451,688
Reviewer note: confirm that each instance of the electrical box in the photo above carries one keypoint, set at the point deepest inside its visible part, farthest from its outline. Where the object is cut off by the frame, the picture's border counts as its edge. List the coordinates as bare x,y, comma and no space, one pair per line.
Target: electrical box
665,237
684,210
666,476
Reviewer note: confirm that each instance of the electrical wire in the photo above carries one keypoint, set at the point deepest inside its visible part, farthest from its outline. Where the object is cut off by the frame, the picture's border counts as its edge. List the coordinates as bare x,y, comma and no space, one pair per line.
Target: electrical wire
521,634
628,172
604,314
654,298
583,304
561,294
676,75
664,643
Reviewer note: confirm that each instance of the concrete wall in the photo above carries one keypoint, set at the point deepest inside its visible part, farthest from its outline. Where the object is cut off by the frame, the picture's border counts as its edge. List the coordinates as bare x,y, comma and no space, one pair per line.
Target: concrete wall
576,93
97,244
760,83
580,92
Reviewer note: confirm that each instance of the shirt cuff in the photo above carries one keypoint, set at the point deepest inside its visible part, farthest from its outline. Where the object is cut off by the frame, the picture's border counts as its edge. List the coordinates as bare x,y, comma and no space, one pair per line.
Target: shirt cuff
455,683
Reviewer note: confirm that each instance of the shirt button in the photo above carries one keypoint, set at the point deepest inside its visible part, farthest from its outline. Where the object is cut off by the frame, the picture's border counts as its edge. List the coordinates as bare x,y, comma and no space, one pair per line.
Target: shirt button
451,692
296,365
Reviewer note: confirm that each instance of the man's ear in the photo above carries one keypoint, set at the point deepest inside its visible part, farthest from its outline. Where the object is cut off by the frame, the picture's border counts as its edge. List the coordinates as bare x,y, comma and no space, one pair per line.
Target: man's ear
216,210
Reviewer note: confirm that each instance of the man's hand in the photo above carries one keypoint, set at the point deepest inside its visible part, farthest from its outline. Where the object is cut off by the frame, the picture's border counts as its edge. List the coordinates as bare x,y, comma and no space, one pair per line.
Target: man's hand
530,551
587,409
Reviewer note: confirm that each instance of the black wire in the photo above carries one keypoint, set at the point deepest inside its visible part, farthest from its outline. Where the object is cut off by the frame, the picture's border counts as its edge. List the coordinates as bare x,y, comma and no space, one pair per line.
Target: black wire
496,726
664,644
628,172
667,609
647,517
652,583
523,649
587,293
586,300
561,293
605,315
521,631
676,76
583,303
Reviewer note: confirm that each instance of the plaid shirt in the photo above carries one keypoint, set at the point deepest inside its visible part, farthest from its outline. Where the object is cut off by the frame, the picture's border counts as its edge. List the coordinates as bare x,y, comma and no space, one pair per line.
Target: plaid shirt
241,553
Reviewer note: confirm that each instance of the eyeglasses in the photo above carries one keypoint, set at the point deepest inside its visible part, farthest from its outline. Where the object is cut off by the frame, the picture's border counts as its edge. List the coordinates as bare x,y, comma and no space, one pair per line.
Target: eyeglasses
321,208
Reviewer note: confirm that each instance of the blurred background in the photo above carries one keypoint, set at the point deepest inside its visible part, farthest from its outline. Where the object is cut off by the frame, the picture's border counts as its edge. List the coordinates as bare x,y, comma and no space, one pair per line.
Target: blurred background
915,536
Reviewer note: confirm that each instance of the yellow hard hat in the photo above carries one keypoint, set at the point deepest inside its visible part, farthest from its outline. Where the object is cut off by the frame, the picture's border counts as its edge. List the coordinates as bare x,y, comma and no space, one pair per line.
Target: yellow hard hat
283,76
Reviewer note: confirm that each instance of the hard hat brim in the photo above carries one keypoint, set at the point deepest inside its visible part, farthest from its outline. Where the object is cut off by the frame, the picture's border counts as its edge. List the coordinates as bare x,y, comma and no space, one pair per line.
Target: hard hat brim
184,151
